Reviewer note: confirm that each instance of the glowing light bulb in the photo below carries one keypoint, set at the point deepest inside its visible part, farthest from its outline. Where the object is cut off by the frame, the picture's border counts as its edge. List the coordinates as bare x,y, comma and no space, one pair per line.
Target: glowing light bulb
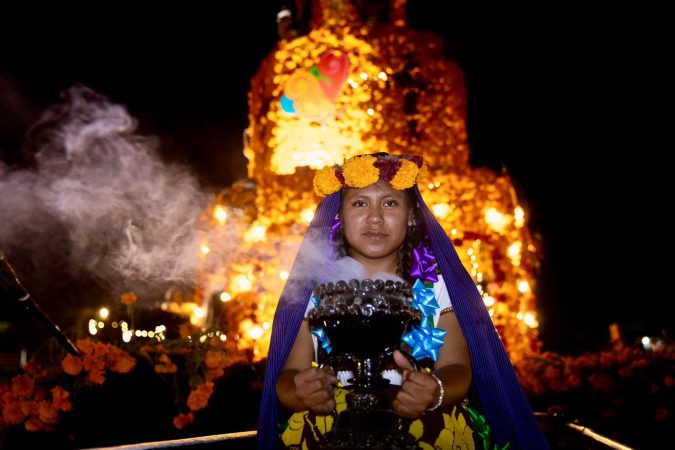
496,220
220,214
256,233
441,210
523,286
519,216
103,313
514,249
225,297
514,252
205,249
243,283
283,275
255,332
530,320
197,316
307,215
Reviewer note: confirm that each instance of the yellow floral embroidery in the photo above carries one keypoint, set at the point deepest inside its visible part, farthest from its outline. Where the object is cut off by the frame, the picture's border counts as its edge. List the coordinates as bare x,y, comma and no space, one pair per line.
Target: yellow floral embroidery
456,434
416,429
406,175
293,433
360,171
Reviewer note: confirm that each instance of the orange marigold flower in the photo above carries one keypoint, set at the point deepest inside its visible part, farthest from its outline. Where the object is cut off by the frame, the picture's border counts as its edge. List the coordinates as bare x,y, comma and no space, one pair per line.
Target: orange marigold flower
406,176
12,413
48,412
72,365
213,374
34,424
86,346
601,382
96,377
165,365
124,364
181,420
360,171
120,361
214,359
61,398
199,397
145,349
128,298
93,364
29,407
325,182
23,386
423,173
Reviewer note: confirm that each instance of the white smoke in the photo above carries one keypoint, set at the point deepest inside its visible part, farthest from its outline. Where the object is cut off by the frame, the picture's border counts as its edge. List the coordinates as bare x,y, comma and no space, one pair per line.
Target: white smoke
101,196
316,263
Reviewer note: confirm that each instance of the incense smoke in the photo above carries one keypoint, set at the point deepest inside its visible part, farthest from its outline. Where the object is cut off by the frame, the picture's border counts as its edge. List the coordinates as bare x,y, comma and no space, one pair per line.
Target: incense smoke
100,203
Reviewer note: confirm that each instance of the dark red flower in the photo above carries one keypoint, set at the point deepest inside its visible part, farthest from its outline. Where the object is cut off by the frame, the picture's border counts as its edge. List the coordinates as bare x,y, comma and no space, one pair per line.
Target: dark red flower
388,167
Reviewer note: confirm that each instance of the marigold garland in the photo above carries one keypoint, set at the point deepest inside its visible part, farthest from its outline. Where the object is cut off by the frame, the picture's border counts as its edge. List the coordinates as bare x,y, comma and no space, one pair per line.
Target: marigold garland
402,172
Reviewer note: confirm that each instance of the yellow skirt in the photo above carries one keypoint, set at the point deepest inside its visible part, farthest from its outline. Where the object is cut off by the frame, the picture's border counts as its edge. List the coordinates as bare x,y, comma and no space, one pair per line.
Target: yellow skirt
453,427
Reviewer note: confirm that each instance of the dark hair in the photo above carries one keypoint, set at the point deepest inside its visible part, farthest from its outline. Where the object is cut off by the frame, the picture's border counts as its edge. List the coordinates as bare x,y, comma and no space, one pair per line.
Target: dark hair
412,239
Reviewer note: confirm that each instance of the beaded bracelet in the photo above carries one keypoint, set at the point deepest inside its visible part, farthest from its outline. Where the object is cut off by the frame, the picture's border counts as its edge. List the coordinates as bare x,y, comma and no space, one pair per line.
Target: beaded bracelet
440,395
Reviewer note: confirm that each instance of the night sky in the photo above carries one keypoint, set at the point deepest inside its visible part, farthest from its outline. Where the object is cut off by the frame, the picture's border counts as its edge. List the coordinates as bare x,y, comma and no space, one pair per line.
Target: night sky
567,102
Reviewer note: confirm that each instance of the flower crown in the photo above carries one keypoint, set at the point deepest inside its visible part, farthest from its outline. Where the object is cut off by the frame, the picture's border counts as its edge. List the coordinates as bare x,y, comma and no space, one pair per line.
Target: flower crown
400,171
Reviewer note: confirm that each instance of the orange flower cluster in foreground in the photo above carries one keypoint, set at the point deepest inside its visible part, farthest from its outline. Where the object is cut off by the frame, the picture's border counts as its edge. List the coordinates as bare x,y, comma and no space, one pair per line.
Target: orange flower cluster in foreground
24,401
614,381
27,399
198,399
212,360
97,357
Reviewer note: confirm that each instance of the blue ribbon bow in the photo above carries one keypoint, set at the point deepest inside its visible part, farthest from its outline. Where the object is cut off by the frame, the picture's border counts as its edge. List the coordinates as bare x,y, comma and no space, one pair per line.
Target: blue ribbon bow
424,341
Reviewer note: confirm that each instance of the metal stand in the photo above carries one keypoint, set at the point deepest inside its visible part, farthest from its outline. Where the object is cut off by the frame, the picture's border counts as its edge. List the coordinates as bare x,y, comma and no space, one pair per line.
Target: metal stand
10,284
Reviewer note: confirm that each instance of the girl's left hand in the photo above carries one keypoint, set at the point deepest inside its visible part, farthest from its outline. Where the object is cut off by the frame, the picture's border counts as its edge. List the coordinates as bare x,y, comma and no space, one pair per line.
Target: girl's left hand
419,391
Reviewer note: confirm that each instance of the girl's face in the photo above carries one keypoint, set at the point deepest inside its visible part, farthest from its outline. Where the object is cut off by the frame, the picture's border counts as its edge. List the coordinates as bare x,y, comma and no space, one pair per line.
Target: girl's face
375,222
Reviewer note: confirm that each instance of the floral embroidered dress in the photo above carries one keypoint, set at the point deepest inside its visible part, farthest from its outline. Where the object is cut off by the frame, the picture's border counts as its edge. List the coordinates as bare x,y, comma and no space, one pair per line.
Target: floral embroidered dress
450,427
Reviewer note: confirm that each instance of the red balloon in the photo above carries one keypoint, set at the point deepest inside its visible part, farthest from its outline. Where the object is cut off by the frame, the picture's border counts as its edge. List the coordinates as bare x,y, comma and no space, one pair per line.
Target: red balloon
333,65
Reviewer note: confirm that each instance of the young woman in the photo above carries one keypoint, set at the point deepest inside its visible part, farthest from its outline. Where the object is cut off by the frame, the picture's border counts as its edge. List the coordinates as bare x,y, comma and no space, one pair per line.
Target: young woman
374,214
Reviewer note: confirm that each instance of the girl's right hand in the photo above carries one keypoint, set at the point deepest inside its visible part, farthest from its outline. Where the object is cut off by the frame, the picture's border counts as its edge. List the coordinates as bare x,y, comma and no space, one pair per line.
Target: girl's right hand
314,387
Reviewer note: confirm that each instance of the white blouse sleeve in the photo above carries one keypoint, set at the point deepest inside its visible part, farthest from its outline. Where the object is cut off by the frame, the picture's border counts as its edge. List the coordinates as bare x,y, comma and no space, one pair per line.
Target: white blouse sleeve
315,340
442,297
